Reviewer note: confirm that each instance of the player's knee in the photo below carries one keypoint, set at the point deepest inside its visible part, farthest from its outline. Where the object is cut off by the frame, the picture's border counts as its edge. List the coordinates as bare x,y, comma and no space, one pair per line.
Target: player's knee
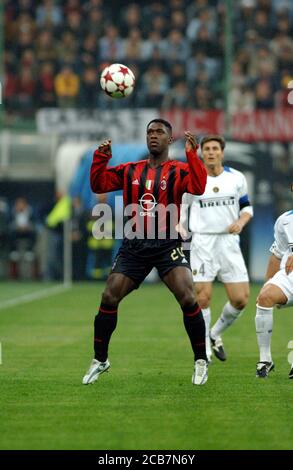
265,299
203,300
109,297
186,298
240,302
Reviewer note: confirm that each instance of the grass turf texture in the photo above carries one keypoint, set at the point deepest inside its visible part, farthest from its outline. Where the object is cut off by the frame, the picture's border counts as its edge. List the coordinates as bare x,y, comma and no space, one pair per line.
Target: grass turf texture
147,400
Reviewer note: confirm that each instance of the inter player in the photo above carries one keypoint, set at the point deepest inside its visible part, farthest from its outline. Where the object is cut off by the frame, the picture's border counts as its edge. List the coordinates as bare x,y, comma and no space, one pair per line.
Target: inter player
277,291
217,217
148,184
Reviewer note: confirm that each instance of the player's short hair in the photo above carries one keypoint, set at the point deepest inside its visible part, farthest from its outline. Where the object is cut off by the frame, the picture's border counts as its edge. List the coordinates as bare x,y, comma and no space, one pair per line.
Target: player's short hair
162,121
209,137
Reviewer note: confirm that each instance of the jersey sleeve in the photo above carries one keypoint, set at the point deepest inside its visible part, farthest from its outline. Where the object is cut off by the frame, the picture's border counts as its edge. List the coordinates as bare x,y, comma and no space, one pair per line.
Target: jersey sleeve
244,202
103,178
280,244
195,178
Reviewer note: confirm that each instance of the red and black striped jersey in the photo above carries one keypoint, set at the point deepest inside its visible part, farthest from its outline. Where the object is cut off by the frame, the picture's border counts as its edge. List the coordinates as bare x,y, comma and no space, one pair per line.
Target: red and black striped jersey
148,192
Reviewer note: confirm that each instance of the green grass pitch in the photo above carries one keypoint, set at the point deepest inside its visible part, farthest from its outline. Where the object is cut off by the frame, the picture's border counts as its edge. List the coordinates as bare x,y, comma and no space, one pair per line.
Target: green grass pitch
147,400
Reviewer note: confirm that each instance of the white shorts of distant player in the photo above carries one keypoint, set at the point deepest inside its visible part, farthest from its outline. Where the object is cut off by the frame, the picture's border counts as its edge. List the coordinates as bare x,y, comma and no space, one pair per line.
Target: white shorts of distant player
217,255
285,283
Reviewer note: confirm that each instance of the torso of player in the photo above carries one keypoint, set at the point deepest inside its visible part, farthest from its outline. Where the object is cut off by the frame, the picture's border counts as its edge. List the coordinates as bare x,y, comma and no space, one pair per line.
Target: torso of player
148,187
215,210
285,231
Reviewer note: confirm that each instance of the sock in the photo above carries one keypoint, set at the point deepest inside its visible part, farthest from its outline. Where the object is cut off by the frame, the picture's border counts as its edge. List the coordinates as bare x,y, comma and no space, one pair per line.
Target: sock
105,324
207,319
264,327
195,328
228,316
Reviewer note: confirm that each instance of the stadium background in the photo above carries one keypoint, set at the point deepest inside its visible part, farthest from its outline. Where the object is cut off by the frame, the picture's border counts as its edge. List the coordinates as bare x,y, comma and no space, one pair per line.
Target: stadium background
206,65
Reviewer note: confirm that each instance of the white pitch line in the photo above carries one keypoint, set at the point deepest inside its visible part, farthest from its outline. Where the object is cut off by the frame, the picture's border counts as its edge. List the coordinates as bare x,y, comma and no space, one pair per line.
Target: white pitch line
34,296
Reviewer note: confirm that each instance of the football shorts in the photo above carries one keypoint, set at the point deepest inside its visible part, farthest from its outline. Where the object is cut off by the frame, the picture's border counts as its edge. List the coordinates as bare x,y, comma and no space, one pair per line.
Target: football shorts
136,258
285,283
217,256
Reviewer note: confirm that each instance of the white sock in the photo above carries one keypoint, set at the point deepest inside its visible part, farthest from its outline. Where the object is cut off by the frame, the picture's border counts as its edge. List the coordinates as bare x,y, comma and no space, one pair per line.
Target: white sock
264,327
228,316
207,319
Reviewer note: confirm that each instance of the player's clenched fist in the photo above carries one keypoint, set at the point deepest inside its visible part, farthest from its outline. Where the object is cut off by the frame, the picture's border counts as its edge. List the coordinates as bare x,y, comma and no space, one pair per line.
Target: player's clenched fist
191,142
105,147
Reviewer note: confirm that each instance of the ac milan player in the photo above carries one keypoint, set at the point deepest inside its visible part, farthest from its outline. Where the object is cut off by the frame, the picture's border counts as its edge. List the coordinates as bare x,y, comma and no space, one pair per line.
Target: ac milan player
148,184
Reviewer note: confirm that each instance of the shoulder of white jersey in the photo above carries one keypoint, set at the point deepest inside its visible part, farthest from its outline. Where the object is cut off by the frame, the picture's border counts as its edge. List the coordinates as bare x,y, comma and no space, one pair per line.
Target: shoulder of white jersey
228,169
285,218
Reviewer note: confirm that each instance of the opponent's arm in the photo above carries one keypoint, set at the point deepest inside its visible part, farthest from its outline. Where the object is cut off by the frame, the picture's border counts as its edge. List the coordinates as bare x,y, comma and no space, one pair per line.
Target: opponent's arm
195,181
104,179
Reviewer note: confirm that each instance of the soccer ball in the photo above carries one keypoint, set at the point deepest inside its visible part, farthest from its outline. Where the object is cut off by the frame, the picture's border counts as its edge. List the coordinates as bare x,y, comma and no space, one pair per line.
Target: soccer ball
117,81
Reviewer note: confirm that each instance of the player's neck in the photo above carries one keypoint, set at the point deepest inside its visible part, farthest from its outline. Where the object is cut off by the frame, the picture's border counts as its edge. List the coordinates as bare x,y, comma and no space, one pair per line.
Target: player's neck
156,160
214,170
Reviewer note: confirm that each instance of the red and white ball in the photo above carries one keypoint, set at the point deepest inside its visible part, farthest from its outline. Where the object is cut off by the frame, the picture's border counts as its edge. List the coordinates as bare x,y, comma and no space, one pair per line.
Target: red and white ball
117,80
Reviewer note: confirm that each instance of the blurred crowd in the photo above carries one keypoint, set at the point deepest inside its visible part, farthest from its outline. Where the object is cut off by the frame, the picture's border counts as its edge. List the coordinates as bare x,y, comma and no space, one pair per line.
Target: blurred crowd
55,51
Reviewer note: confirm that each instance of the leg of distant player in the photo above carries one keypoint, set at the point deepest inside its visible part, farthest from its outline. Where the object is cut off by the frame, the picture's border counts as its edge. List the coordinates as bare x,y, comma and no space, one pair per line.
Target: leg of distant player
179,281
238,294
117,287
203,292
269,296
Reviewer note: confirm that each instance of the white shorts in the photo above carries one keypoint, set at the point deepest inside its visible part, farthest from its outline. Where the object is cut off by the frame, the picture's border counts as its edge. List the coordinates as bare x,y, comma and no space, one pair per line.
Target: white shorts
218,256
285,283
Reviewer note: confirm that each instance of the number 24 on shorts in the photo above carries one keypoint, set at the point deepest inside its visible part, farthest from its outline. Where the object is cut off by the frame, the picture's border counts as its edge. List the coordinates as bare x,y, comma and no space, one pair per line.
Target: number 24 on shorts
176,253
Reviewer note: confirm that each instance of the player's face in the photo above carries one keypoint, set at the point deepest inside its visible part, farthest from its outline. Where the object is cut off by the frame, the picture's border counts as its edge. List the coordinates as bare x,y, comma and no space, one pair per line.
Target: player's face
158,138
212,154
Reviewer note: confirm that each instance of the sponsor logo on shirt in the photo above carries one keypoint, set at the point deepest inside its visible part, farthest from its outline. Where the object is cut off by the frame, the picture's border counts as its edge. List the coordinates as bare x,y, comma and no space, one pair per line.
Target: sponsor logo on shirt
147,203
135,181
220,201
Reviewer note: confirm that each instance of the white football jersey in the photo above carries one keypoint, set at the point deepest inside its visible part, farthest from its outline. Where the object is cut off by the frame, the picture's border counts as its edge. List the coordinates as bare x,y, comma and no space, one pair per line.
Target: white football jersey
283,232
224,198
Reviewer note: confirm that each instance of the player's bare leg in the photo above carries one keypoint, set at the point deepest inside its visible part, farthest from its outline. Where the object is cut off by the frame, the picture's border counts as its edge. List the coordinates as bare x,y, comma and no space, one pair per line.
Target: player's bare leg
179,281
203,292
117,287
269,296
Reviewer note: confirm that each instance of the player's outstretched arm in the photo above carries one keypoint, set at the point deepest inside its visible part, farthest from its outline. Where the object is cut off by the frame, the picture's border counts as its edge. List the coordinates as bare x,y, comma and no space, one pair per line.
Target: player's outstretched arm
195,182
104,179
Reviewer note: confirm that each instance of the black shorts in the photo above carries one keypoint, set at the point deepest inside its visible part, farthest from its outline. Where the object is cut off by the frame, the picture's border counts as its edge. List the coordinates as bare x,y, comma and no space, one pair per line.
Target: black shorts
136,258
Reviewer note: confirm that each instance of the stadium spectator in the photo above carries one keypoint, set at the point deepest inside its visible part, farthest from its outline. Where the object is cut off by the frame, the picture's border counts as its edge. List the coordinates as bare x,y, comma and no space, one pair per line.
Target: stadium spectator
22,226
154,86
45,89
88,89
67,87
177,97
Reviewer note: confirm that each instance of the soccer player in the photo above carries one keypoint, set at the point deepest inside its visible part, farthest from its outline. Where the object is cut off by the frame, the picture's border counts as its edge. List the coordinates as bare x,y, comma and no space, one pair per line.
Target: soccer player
277,291
216,219
156,182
